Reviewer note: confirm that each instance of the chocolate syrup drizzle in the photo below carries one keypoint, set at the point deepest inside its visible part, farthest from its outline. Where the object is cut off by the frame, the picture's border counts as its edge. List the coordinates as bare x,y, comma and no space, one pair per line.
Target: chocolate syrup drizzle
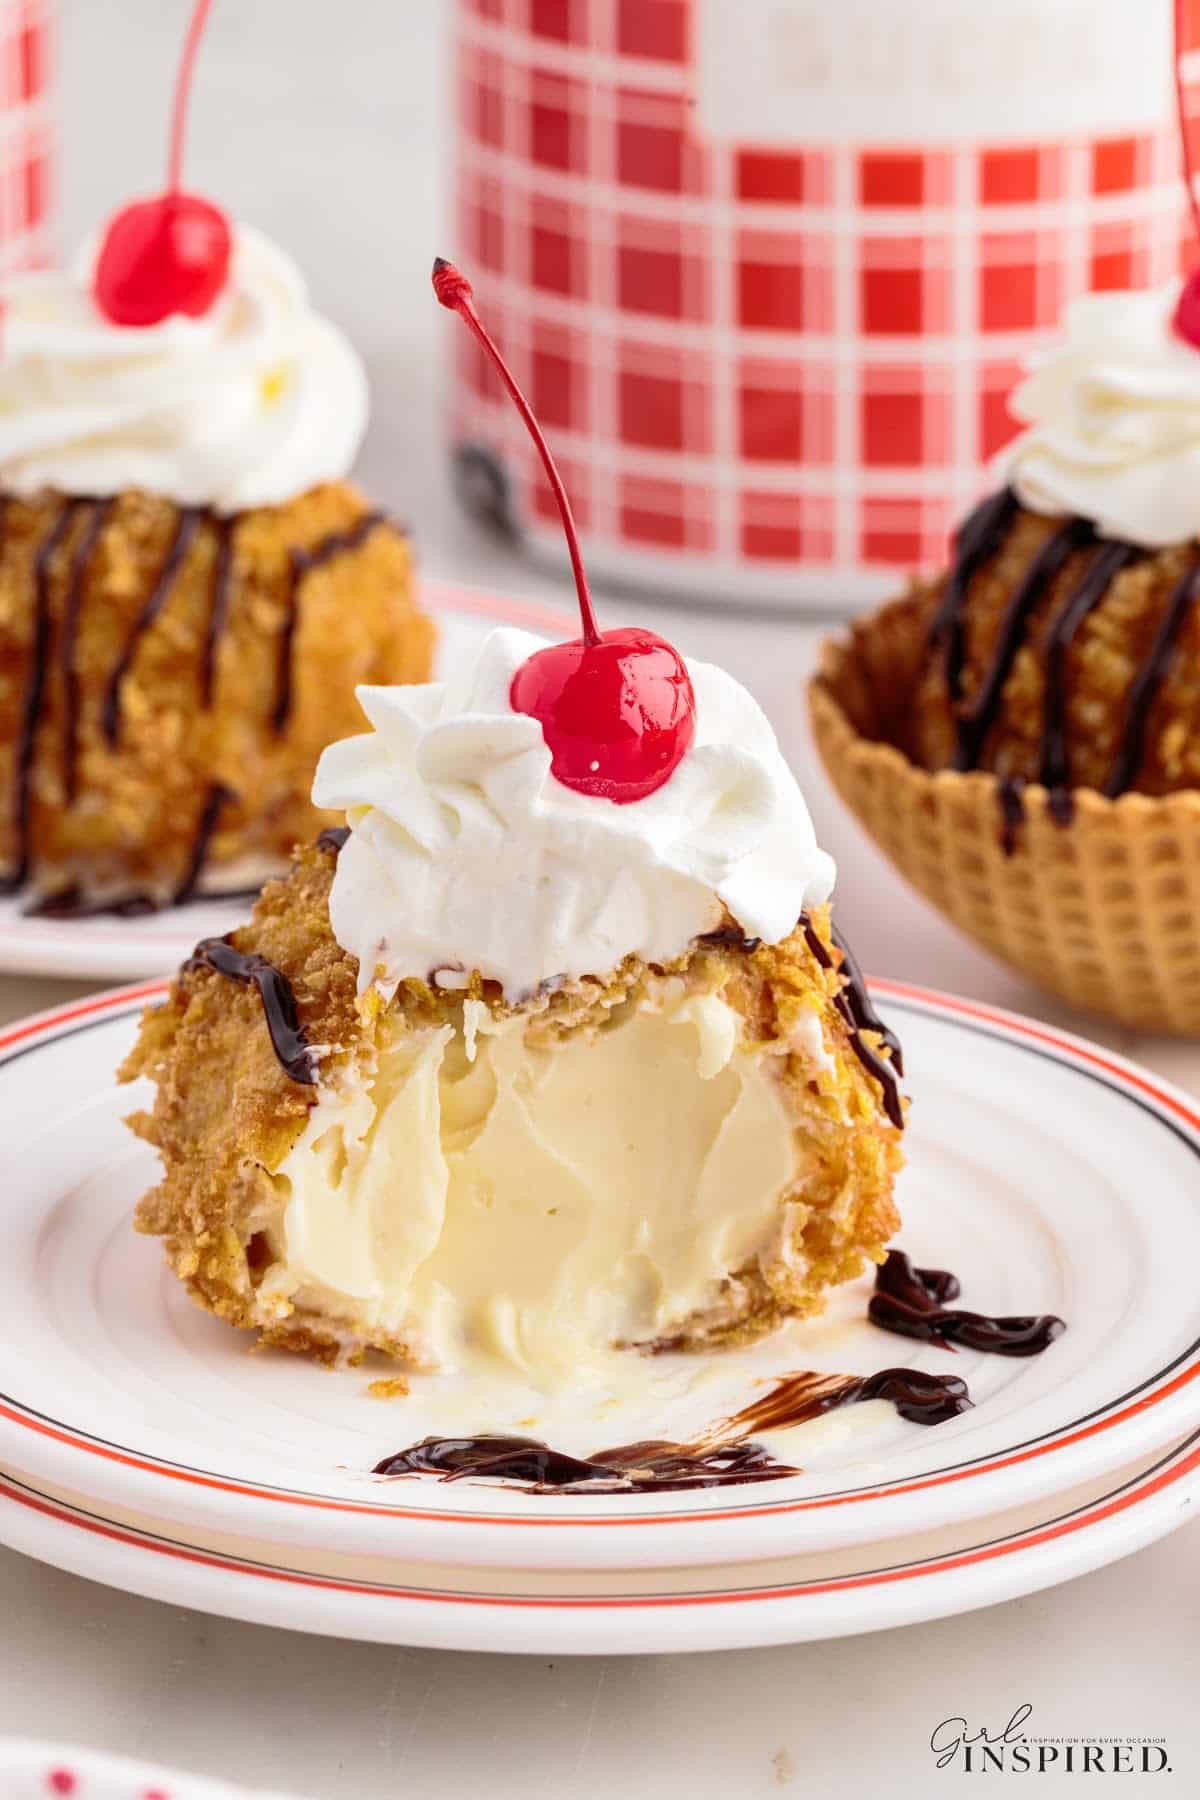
80,562
729,937
303,563
218,796
72,902
858,1015
1011,791
724,1454
975,724
218,610
1146,684
35,689
288,1040
1054,769
912,1302
332,838
980,537
860,1002
185,530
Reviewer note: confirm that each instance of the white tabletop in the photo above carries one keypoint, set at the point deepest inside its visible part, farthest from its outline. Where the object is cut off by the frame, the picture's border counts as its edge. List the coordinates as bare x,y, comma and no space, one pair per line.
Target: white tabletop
1113,1654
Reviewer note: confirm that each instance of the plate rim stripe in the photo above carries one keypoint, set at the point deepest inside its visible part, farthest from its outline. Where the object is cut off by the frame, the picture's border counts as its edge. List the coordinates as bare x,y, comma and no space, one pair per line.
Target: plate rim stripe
44,1028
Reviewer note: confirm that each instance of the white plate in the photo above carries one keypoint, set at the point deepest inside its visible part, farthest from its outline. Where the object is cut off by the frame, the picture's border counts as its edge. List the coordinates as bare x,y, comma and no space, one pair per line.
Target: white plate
1049,1174
113,949
32,1771
831,1593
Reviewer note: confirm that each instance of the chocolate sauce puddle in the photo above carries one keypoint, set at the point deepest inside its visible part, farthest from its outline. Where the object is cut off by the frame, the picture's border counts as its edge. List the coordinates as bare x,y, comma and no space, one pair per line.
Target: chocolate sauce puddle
909,1300
858,1015
654,1466
724,1454
912,1302
288,1041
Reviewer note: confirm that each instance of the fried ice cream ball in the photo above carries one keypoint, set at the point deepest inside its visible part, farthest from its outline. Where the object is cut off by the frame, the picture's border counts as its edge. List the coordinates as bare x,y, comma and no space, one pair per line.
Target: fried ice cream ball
1098,668
737,1058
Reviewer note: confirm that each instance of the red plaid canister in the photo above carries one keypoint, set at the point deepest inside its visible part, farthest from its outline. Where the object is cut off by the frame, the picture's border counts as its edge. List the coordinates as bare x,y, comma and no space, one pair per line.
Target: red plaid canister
768,268
26,133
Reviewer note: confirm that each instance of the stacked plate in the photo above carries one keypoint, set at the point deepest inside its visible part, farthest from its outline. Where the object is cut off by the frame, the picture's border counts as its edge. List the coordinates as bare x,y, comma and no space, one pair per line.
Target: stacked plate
143,1445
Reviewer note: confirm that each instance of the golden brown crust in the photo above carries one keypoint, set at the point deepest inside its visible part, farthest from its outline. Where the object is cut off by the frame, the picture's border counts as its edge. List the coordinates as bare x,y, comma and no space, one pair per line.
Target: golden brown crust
1100,910
226,1114
1108,648
139,803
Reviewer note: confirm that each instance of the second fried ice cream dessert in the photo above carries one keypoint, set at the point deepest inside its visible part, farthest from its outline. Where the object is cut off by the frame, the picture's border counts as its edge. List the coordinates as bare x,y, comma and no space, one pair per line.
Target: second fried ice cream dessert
190,588
1022,732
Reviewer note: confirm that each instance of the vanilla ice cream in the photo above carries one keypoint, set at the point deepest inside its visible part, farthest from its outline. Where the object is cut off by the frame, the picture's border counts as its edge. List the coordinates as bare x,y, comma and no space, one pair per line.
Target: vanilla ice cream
489,1196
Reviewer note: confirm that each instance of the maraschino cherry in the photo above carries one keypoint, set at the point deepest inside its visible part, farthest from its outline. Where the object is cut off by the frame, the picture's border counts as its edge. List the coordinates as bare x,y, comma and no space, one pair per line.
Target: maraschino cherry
1187,307
616,707
169,254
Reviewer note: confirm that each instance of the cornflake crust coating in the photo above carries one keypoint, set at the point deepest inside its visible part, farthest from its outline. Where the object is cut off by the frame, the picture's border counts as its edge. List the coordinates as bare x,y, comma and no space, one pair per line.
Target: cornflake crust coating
161,667
1100,664
226,1115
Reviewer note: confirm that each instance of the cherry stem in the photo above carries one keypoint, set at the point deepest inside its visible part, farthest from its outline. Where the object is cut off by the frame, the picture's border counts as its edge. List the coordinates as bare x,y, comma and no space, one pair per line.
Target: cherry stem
183,90
454,291
1189,172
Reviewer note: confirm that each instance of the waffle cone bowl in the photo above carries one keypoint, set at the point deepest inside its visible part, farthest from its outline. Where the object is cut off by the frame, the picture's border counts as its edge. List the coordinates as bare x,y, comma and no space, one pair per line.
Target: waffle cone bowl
1102,911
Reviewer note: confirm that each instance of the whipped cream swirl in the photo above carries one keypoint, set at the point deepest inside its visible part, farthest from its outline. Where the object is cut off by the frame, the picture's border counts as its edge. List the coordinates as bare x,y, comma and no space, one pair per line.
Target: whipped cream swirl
250,405
1113,420
466,853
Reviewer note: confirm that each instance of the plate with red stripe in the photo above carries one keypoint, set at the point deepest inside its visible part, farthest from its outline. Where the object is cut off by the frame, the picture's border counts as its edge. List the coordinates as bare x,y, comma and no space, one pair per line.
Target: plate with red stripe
1049,1174
821,1594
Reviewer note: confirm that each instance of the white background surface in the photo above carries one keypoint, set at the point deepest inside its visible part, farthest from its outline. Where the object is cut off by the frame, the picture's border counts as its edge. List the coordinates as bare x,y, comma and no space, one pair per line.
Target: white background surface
326,124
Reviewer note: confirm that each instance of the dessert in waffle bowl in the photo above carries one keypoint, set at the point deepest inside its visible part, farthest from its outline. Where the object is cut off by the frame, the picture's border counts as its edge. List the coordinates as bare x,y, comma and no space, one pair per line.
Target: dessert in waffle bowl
1022,734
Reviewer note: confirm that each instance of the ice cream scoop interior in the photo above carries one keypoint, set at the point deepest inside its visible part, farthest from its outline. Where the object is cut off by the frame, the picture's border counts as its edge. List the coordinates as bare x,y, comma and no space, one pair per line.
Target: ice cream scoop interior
559,1200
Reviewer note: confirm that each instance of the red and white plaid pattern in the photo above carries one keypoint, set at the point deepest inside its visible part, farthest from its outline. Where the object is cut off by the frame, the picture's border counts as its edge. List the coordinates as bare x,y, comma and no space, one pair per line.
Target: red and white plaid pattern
26,134
773,371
